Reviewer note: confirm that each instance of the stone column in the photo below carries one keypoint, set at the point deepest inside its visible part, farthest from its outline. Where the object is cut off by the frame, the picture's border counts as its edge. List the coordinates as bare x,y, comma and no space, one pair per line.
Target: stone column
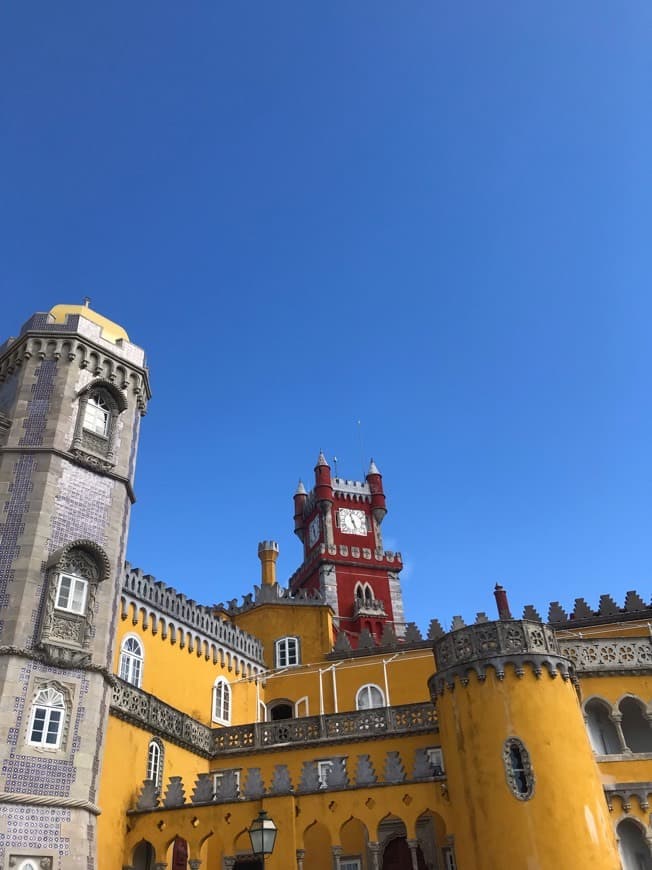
414,844
337,854
301,854
194,863
160,865
617,718
374,854
228,862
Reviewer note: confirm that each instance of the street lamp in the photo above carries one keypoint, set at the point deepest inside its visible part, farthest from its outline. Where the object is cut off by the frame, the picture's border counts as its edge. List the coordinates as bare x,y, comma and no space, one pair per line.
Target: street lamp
262,834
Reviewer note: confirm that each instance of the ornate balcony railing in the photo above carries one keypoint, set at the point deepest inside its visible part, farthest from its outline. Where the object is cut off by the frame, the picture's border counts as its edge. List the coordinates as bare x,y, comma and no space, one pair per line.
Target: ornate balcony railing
368,607
148,712
603,656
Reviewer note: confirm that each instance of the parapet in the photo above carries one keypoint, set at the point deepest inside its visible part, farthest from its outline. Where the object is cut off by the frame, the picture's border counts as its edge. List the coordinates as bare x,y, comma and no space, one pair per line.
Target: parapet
634,607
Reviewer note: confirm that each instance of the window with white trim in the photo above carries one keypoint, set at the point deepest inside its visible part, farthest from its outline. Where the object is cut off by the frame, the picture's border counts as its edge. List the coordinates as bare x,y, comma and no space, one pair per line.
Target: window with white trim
287,652
222,701
47,719
155,763
369,697
71,593
323,769
131,660
97,414
350,864
219,776
436,760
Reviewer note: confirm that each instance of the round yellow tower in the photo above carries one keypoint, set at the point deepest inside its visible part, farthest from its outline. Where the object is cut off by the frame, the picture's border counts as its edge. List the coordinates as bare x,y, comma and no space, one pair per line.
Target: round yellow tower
522,782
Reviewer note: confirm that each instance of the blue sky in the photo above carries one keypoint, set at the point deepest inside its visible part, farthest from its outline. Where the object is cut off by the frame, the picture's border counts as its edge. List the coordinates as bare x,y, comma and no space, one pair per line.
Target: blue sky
430,217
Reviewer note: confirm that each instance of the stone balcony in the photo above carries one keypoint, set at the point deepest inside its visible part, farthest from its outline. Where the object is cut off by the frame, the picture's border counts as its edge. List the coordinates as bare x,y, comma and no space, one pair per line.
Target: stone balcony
628,655
153,715
368,607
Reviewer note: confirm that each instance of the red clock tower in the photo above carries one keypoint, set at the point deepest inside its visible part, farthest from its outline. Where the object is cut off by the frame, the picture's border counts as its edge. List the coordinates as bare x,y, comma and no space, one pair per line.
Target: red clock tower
339,523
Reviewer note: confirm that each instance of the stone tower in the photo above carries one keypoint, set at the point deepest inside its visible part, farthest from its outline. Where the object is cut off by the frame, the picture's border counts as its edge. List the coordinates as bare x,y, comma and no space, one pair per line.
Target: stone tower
339,523
73,390
520,770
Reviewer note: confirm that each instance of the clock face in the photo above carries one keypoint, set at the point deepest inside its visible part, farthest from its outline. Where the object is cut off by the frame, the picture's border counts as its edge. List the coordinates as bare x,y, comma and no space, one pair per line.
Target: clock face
313,531
352,522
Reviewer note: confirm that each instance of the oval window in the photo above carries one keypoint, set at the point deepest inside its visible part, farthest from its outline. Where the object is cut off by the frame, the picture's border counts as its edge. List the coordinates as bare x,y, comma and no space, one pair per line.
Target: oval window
518,769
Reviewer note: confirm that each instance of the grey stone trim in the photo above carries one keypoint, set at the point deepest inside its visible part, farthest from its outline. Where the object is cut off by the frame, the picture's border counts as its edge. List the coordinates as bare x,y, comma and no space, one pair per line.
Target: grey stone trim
143,589
629,655
496,644
625,791
65,662
175,795
85,462
39,800
511,774
281,784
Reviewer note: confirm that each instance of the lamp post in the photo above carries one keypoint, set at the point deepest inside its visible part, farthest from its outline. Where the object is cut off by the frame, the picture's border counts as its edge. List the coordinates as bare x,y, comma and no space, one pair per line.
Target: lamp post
262,834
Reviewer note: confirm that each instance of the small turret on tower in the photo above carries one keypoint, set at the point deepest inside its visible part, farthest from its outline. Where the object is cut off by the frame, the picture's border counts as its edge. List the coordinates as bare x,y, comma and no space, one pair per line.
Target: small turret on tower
268,554
323,484
300,498
378,502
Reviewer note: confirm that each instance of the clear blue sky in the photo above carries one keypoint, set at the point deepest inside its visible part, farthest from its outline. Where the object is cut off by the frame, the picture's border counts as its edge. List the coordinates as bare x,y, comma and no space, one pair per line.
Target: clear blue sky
431,217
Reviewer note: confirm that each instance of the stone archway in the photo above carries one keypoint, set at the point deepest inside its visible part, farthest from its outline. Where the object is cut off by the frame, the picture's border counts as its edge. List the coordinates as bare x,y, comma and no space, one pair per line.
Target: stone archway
143,856
397,855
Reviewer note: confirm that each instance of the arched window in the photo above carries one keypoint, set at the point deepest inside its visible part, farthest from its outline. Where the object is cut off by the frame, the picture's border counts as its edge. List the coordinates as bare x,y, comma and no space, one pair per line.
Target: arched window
222,701
634,850
369,697
97,414
155,763
131,660
47,718
602,731
280,710
359,594
518,769
368,594
635,726
287,652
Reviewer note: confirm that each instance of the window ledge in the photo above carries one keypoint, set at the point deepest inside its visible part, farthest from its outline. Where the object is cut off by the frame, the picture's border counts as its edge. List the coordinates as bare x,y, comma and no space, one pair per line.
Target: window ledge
623,756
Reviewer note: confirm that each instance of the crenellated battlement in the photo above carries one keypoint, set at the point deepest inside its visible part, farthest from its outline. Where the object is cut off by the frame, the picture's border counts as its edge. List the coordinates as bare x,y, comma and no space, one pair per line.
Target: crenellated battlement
186,613
268,594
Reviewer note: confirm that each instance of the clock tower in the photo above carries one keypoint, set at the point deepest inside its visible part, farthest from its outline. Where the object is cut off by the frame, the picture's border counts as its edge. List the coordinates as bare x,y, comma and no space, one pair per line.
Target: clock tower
339,523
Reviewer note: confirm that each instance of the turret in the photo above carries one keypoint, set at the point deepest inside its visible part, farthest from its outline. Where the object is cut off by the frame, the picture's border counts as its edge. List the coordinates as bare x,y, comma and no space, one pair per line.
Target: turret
300,498
518,759
323,484
378,504
268,554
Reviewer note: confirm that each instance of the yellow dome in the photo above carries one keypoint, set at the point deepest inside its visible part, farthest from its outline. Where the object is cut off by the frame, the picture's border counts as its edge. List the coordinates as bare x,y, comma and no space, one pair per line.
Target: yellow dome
110,330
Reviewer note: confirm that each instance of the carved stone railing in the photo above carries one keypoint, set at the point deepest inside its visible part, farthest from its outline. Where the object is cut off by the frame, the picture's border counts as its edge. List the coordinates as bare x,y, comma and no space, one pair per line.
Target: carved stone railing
333,727
148,712
604,656
363,607
143,709
495,644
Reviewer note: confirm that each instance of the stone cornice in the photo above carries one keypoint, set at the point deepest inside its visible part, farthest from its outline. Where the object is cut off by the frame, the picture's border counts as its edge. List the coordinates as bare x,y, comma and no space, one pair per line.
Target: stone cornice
71,664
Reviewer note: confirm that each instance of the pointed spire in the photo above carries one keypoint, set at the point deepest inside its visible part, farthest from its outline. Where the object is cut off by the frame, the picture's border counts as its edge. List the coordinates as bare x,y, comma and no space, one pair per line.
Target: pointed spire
321,459
301,490
373,468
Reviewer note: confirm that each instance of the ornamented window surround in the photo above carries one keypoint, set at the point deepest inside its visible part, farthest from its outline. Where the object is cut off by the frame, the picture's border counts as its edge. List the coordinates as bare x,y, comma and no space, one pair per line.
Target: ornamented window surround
22,862
69,699
65,636
91,445
510,775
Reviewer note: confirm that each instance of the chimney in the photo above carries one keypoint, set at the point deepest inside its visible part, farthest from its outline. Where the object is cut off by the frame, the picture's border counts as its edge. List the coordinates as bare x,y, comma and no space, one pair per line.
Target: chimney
268,554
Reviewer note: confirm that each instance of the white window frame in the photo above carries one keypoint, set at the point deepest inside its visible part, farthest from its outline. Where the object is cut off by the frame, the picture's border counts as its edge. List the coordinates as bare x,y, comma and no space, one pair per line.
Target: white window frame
49,701
97,415
323,766
218,776
155,763
302,707
221,701
350,864
435,758
367,689
131,664
69,605
286,648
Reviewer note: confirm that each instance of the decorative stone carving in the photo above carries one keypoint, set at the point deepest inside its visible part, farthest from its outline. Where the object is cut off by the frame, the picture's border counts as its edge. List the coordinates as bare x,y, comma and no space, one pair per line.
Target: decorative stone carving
254,786
281,782
364,772
394,770
518,769
412,633
337,776
435,630
596,656
203,793
309,781
148,798
496,644
175,795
